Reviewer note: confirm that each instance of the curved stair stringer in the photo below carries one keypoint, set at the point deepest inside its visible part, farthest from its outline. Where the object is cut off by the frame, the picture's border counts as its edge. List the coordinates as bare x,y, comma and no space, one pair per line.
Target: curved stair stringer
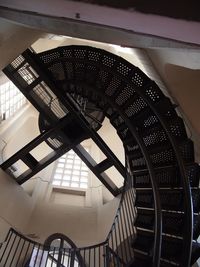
90,71
159,156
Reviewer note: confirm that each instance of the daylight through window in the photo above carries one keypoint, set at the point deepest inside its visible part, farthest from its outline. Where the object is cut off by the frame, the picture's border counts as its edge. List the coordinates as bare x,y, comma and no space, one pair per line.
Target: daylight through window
11,100
71,171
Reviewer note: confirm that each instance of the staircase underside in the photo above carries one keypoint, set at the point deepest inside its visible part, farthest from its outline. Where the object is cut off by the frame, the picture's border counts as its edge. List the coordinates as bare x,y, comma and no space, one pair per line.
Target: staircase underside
160,166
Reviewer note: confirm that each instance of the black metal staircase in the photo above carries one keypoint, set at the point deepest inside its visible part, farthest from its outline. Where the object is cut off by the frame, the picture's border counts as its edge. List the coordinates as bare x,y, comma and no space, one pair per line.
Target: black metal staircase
160,164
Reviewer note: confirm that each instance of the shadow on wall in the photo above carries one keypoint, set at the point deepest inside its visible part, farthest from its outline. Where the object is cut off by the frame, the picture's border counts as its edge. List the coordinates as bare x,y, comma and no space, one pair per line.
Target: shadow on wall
184,87
188,10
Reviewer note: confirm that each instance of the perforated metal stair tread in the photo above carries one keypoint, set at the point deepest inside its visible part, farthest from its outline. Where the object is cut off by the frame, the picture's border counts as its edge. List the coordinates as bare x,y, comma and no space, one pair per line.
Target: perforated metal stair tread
171,246
168,177
171,199
173,222
186,148
135,99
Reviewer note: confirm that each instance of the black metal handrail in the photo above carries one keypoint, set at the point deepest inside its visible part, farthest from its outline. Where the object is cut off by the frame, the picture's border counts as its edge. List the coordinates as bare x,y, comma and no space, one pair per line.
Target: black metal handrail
122,230
186,187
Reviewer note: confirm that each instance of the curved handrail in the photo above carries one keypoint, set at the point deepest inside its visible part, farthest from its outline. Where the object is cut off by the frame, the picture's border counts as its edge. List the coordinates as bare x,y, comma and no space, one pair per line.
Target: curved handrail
184,180
145,153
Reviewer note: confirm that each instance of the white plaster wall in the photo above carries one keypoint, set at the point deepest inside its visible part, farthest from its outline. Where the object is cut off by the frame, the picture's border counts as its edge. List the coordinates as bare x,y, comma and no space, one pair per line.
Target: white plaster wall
109,135
15,206
180,72
21,37
105,217
78,223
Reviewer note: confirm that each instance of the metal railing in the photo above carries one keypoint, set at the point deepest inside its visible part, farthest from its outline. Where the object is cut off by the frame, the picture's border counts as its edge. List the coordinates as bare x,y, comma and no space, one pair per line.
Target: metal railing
20,251
117,249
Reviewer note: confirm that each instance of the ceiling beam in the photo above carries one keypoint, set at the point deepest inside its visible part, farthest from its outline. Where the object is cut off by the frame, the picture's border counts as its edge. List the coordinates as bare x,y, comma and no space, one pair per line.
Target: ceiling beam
91,30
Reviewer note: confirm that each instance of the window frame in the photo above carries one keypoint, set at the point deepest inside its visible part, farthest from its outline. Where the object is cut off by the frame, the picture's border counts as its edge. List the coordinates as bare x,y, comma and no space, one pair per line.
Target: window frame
13,101
69,189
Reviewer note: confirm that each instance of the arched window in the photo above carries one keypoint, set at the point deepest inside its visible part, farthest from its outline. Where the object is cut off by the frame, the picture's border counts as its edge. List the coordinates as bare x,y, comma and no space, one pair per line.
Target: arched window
62,252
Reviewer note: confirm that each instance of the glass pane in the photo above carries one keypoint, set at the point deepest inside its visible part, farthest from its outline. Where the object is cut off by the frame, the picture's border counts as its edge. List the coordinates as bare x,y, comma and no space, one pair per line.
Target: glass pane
75,178
59,170
68,166
76,172
85,168
68,171
61,160
65,183
67,177
83,185
60,165
56,182
74,184
85,180
77,167
57,176
84,173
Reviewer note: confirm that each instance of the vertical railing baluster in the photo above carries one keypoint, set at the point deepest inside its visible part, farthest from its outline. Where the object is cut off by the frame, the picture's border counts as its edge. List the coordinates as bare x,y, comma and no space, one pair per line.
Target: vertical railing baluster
15,252
120,239
132,201
52,259
89,257
129,213
123,235
112,242
20,253
8,238
116,239
41,257
47,254
69,256
105,256
126,228
94,257
63,257
10,250
84,257
24,261
99,251
38,248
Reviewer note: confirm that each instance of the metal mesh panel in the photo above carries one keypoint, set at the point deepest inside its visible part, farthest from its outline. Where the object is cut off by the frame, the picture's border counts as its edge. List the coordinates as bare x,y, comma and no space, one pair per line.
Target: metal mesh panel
43,92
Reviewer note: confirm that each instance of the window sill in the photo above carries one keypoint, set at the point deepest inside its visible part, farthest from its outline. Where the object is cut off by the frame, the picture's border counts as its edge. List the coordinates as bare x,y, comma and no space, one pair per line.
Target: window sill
71,191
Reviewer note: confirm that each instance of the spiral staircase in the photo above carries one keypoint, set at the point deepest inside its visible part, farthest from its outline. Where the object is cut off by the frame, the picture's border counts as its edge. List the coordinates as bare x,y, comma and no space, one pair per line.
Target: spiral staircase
157,222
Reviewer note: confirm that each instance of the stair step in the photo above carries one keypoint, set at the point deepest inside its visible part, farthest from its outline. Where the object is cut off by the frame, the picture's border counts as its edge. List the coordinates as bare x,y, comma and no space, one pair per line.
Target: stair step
157,135
171,246
165,178
195,252
144,260
170,254
165,155
168,177
171,199
141,260
173,222
162,156
147,118
144,241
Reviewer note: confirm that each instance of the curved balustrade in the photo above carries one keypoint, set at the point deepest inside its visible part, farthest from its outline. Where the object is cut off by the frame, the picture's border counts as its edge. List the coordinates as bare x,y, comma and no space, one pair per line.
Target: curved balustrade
154,222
